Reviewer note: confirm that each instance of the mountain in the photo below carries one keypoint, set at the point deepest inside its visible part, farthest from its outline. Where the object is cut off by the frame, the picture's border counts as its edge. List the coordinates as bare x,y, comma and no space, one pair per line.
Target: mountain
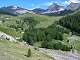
73,6
38,10
54,9
13,10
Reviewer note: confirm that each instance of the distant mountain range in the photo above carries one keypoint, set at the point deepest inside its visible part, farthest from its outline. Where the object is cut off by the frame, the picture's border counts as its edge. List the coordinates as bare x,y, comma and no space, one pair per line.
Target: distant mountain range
14,10
38,10
53,9
56,9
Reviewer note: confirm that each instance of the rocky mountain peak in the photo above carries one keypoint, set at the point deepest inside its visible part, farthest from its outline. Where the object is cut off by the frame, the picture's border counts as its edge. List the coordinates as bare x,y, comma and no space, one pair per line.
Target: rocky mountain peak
73,6
55,7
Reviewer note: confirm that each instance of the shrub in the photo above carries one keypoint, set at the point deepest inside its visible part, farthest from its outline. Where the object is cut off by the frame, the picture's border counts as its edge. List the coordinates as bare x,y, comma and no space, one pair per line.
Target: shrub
29,53
55,44
65,48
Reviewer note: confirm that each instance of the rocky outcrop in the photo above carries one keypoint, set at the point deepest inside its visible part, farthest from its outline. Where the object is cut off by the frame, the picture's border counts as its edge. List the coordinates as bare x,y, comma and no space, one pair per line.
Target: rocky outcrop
4,36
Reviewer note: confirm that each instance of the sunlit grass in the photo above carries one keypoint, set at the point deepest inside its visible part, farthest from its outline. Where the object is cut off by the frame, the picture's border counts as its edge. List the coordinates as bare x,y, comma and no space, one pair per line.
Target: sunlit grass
16,51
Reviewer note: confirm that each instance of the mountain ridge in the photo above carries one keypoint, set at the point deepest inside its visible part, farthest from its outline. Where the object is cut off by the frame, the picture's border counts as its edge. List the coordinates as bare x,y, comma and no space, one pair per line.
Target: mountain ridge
14,10
53,9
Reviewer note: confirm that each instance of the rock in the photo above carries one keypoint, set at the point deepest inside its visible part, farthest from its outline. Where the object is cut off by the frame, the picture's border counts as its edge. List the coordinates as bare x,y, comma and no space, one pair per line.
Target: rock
4,36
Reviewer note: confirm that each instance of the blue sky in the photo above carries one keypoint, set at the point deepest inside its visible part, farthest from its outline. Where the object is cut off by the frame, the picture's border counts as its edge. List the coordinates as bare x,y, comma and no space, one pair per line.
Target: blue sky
31,4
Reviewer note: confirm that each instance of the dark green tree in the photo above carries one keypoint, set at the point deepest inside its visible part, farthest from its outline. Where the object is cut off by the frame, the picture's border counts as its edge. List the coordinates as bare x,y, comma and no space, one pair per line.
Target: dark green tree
28,35
29,53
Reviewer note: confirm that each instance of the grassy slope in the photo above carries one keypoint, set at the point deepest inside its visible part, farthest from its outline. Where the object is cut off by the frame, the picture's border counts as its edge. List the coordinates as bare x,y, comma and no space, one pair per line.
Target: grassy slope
16,51
10,31
44,21
4,26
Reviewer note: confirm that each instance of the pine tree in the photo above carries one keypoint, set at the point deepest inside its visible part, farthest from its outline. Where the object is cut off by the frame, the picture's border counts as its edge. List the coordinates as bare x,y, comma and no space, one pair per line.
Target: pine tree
29,53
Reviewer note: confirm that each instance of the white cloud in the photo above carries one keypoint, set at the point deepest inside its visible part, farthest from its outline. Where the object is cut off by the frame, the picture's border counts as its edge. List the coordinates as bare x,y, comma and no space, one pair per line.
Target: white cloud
75,1
67,2
48,3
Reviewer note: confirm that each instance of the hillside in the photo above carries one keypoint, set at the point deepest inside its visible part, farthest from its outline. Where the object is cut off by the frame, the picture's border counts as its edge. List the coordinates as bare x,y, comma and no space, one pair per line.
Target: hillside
71,22
12,25
44,32
39,30
17,51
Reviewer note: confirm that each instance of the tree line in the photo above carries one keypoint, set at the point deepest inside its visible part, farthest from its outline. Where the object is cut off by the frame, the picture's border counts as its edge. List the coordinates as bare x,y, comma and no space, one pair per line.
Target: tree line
71,22
51,36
